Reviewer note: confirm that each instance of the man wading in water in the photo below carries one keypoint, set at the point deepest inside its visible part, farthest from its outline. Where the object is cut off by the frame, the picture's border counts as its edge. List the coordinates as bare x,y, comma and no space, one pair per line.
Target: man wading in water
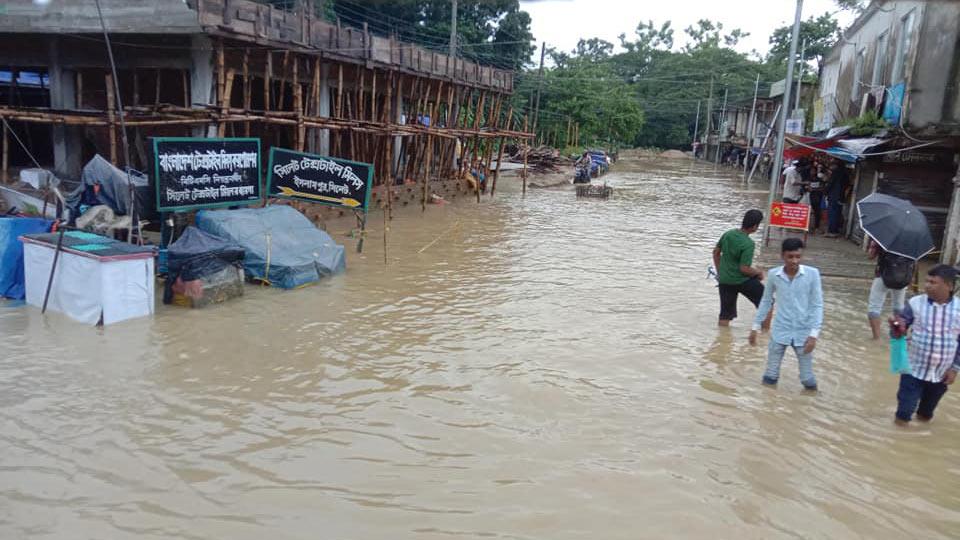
934,322
799,296
733,259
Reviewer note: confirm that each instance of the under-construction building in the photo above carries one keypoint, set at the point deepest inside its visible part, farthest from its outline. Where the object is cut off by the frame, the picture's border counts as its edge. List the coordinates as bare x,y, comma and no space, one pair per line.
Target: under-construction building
240,68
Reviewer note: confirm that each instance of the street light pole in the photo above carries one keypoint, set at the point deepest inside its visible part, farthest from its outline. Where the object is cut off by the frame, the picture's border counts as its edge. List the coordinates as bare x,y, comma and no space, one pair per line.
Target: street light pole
782,121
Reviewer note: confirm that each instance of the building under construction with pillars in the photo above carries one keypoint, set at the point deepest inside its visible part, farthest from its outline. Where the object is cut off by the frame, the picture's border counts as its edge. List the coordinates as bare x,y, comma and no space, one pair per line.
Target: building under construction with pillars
240,68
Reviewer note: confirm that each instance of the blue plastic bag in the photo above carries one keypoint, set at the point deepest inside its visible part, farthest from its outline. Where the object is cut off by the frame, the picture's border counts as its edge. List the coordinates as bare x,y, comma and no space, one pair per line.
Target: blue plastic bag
899,362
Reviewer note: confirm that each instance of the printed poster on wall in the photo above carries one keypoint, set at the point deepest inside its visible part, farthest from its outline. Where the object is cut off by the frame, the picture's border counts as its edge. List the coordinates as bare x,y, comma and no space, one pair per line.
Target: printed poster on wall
192,173
319,179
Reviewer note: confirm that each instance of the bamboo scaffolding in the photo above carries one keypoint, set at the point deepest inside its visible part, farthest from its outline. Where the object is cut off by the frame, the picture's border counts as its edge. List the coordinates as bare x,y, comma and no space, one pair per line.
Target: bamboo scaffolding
247,98
502,140
111,122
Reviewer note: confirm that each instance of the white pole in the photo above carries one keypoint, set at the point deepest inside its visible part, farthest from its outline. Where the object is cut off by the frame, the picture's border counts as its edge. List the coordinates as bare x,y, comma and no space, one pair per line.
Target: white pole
723,115
803,52
750,126
696,124
782,124
763,145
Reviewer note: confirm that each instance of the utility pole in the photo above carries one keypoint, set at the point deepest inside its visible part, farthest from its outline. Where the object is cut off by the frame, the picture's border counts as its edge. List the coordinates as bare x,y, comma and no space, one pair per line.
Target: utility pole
453,29
723,114
706,151
750,126
782,121
696,125
536,107
803,52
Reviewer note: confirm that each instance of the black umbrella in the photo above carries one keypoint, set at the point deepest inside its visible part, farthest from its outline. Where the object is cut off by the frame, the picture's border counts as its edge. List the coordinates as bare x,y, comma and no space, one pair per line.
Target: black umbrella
897,225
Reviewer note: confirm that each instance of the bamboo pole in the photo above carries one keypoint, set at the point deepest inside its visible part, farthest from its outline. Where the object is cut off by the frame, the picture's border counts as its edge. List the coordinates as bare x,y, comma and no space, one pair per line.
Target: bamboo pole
524,173
301,135
502,140
5,166
247,98
186,88
267,74
110,118
136,87
476,140
225,102
282,95
79,89
156,89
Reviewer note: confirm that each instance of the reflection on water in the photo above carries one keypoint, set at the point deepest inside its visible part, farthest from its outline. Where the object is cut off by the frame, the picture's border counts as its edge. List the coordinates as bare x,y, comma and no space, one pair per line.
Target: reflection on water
549,369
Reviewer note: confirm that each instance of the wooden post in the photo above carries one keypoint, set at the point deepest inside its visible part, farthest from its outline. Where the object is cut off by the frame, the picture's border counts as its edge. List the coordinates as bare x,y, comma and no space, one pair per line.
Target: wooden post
79,89
5,165
267,73
184,77
315,88
111,108
496,174
156,90
340,91
136,87
246,90
426,176
225,103
524,173
477,119
221,73
300,135
373,98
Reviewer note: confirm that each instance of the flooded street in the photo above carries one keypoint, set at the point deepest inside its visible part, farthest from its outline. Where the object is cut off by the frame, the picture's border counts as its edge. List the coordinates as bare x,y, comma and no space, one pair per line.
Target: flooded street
548,368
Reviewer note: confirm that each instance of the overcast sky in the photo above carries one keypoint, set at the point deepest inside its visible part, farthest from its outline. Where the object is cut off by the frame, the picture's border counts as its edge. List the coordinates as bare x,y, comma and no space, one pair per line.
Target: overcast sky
561,23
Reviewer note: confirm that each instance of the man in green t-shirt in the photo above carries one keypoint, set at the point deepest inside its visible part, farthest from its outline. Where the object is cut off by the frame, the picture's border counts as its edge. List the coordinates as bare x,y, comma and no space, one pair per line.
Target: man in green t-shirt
733,259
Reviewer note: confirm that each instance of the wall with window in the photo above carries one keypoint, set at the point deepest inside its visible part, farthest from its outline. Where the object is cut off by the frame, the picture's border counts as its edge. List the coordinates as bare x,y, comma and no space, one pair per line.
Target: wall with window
898,48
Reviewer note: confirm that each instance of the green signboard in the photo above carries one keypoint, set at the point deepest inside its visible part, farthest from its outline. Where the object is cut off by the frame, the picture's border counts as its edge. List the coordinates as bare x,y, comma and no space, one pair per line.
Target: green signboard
319,179
192,173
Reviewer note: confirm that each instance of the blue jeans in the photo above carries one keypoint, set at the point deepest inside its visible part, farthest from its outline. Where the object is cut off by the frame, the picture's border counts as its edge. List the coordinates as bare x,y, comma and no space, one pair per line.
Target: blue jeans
775,352
835,216
918,396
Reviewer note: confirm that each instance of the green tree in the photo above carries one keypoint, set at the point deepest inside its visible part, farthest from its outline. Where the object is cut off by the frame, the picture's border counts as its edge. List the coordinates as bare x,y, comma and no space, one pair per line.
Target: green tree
820,33
493,32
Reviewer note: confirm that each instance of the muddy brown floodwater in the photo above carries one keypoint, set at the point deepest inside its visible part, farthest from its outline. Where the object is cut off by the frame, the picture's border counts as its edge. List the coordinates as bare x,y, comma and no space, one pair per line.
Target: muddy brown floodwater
549,369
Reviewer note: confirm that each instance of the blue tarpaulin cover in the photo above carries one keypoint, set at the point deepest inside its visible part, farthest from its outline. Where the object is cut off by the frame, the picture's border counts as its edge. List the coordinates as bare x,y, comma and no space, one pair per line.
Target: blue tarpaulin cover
282,247
11,252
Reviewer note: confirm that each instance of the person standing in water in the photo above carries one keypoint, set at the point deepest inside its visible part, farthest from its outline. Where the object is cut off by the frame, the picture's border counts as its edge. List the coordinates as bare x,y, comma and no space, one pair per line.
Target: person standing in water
733,259
933,320
799,296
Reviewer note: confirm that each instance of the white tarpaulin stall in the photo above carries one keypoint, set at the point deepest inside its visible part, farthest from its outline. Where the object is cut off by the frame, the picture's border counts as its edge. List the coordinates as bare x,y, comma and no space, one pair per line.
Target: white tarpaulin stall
96,279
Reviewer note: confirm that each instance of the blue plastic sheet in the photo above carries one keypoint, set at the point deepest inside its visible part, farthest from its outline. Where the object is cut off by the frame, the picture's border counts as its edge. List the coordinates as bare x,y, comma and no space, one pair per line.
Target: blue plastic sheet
899,361
282,247
11,252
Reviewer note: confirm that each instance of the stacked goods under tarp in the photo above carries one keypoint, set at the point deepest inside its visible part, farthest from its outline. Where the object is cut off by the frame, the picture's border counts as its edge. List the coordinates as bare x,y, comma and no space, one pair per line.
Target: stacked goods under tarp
104,184
203,269
282,248
11,253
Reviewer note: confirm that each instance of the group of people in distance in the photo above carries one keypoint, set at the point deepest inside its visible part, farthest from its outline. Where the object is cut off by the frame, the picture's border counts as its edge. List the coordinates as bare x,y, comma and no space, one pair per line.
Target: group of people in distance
931,319
821,182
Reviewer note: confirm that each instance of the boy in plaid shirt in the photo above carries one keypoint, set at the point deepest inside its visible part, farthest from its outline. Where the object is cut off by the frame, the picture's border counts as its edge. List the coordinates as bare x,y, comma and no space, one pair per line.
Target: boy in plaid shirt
934,350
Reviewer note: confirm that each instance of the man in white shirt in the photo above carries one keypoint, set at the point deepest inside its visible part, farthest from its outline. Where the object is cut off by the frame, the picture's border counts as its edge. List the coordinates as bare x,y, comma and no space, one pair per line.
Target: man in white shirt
793,184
